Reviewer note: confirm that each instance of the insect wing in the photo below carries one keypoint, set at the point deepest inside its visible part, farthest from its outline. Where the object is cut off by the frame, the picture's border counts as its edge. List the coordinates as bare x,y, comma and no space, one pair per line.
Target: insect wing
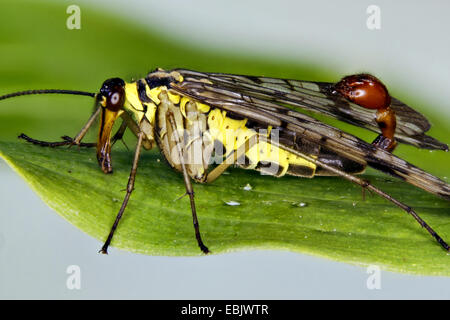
320,97
267,112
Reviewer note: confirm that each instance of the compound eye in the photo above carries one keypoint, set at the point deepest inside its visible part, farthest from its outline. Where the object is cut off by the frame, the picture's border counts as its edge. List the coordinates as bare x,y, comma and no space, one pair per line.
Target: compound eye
115,99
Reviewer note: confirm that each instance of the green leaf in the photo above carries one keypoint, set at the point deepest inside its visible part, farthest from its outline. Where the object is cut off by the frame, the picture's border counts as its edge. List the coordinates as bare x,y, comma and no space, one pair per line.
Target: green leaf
321,216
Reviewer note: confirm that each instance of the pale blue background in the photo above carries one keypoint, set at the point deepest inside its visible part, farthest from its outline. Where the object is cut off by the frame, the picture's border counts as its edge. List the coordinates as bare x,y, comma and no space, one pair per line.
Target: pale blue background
36,245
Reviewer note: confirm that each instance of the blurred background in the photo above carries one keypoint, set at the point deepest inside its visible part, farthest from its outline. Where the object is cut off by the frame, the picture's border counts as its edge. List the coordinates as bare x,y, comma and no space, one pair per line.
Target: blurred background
320,40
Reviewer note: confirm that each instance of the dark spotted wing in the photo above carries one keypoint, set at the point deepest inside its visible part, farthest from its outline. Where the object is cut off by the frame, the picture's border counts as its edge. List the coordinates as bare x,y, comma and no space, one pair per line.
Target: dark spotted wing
320,97
267,112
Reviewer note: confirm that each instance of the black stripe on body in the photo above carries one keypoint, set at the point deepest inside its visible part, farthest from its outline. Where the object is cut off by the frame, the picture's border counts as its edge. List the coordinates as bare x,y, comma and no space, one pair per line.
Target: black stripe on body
300,171
102,120
333,159
154,82
142,94
270,168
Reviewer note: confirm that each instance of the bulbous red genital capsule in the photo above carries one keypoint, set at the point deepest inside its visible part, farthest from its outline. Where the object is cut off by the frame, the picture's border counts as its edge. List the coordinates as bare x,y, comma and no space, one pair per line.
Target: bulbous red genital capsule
365,90
368,92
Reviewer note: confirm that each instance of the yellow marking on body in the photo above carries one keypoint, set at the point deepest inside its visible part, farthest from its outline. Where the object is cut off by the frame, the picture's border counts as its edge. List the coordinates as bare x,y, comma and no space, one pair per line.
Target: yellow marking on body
132,97
173,97
203,107
183,102
215,121
232,124
132,101
243,135
135,107
293,159
233,133
151,111
153,93
231,129
103,102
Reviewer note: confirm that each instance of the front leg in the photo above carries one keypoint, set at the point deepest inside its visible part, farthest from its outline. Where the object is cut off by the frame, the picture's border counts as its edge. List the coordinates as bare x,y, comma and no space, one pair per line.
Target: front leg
67,141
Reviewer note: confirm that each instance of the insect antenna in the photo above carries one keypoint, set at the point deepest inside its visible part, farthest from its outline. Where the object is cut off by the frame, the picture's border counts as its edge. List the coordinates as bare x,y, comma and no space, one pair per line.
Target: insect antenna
45,91
66,140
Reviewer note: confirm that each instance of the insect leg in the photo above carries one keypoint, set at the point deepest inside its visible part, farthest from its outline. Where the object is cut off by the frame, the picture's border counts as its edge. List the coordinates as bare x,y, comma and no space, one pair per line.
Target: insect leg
67,140
130,187
134,128
119,134
232,158
188,184
365,184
